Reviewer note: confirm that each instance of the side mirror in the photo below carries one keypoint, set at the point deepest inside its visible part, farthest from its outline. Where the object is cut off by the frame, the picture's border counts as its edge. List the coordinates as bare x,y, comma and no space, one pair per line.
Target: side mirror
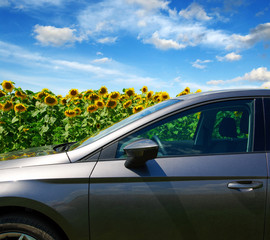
139,152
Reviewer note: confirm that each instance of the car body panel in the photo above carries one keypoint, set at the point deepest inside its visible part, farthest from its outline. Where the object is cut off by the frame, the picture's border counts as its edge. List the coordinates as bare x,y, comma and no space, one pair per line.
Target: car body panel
34,161
58,191
267,205
179,198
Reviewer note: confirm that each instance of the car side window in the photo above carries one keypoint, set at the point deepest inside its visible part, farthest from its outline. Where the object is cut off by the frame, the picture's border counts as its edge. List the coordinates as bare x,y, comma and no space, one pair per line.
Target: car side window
225,127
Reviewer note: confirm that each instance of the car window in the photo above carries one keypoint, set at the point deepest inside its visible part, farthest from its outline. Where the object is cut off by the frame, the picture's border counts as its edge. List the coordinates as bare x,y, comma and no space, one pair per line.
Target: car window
223,127
124,122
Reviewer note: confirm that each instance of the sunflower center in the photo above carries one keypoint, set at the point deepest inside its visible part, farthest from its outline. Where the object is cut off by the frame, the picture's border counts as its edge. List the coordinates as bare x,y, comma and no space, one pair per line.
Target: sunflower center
8,105
50,100
103,90
8,85
111,103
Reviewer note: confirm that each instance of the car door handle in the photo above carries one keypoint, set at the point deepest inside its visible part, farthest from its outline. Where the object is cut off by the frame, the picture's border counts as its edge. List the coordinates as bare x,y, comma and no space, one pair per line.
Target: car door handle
245,185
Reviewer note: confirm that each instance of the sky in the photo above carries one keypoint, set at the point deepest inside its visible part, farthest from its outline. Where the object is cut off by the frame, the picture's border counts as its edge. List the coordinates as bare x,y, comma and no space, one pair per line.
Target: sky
164,45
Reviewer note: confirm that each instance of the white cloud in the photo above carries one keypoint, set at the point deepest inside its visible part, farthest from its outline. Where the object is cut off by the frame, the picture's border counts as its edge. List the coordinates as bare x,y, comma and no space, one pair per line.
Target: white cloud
258,75
194,11
49,35
85,73
86,67
10,52
266,85
164,44
19,55
4,3
26,4
150,4
229,57
102,60
257,34
177,79
215,82
200,63
262,12
151,21
163,27
107,40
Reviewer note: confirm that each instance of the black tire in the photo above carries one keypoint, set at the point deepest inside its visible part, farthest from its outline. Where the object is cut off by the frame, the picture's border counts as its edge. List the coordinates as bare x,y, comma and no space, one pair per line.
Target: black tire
15,227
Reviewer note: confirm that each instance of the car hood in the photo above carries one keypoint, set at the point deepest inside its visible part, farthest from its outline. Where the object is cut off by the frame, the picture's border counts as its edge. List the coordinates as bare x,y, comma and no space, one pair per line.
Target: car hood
32,156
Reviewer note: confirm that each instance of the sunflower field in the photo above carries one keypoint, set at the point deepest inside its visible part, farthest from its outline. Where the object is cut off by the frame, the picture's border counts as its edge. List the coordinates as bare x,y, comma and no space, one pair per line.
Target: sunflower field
29,119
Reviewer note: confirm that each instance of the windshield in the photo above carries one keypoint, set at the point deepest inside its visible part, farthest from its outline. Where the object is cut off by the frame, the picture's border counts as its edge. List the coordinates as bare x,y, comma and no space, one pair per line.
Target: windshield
124,122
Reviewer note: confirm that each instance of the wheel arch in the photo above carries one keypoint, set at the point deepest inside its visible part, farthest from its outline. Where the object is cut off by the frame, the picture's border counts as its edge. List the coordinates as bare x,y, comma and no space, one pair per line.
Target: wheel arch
43,213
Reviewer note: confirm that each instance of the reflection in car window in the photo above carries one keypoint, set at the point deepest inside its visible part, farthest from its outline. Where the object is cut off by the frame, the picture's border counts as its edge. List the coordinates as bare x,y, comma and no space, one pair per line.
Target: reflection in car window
125,122
225,127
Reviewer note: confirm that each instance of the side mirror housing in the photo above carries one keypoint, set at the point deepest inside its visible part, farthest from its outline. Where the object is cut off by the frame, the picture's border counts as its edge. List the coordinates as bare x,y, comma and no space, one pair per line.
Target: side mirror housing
139,152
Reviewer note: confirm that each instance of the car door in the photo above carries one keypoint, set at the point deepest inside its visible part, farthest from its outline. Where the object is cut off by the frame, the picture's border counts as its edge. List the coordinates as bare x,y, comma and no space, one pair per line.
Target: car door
207,182
267,130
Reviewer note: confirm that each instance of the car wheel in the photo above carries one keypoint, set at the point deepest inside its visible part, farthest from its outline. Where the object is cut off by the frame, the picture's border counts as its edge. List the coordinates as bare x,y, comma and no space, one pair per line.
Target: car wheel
19,227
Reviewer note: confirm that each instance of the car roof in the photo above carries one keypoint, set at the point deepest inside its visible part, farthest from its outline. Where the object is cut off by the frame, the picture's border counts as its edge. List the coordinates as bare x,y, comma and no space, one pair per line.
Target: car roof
222,94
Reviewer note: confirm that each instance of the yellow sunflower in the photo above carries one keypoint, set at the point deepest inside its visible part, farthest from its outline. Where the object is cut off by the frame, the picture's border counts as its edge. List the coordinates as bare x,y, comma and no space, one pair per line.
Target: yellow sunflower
138,97
182,93
130,92
103,90
149,94
8,85
45,90
99,103
40,95
144,89
73,92
137,109
165,96
123,97
2,93
127,104
78,111
111,104
114,95
159,99
87,93
156,96
20,94
1,106
198,91
70,113
91,108
63,101
51,100
93,97
19,107
26,129
8,105
187,90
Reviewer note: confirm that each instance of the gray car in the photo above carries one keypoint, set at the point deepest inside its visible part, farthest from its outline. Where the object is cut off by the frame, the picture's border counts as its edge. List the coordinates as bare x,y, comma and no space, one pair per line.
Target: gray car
193,167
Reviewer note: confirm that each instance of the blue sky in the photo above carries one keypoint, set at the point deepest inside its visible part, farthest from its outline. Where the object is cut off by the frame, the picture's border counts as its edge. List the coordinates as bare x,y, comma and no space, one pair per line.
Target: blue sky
165,45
